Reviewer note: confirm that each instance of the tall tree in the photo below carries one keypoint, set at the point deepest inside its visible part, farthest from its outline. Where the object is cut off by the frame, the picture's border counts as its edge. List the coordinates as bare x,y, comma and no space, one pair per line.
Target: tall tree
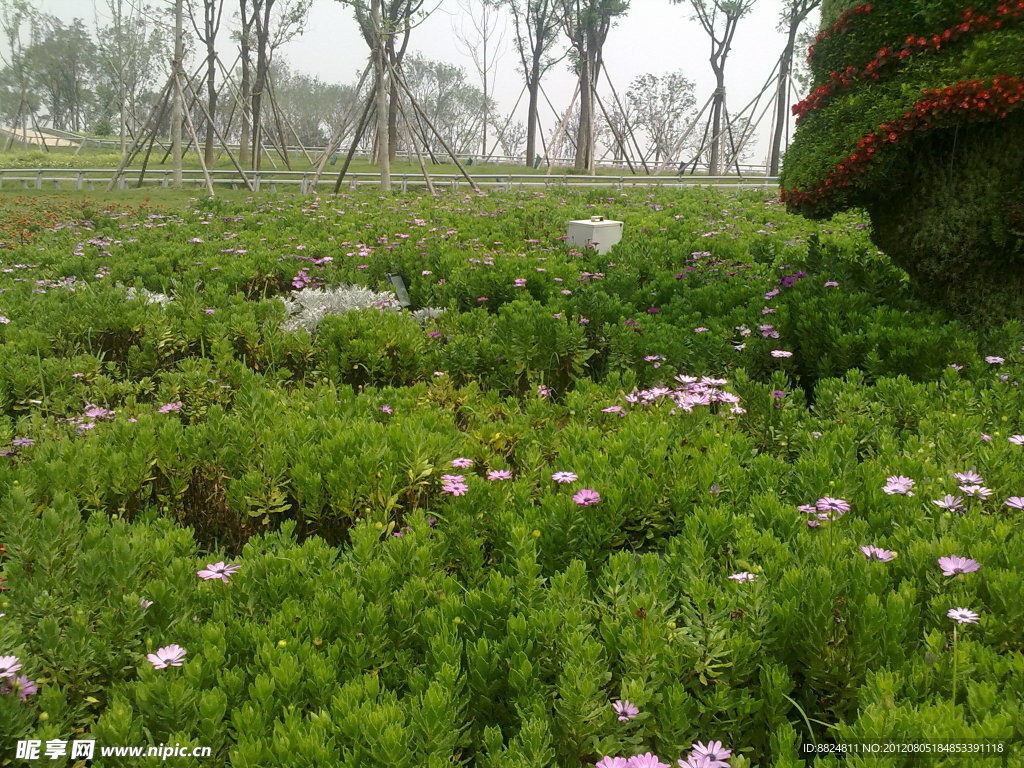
246,21
719,18
381,23
586,23
535,23
794,13
206,32
661,106
483,42
61,65
275,22
397,20
131,51
449,100
17,98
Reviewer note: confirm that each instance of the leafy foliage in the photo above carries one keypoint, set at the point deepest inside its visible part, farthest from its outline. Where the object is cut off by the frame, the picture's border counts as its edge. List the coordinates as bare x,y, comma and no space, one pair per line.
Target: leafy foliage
379,617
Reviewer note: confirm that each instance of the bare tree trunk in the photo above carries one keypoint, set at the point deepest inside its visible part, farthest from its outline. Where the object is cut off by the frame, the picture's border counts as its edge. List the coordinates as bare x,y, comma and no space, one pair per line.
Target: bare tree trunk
383,118
176,115
211,101
484,110
531,118
782,102
262,64
243,150
393,104
584,130
714,166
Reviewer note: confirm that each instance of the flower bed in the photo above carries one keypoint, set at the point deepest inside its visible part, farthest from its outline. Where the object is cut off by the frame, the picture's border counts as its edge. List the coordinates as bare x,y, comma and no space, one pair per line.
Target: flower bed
724,492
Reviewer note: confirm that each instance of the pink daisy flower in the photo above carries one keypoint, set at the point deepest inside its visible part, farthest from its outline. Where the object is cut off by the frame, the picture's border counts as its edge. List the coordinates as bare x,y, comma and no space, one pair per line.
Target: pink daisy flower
168,656
954,565
219,570
963,616
874,553
586,497
626,710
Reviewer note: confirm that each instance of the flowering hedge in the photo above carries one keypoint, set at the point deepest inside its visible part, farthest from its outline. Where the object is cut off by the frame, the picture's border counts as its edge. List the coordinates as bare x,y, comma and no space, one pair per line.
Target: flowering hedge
952,106
863,102
915,117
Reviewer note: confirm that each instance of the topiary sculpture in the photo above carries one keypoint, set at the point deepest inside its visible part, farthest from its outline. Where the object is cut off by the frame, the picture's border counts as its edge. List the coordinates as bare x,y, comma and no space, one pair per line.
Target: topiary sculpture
918,117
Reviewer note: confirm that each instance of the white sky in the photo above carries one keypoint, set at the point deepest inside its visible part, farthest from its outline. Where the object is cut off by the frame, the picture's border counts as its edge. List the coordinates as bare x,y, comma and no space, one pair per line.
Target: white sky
655,36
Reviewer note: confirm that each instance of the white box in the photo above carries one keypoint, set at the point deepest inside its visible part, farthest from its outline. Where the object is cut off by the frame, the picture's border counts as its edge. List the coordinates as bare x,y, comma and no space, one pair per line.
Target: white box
597,231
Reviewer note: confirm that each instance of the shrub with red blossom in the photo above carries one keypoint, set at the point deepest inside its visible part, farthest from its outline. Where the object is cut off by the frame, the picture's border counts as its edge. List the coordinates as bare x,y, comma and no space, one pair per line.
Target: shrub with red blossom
915,116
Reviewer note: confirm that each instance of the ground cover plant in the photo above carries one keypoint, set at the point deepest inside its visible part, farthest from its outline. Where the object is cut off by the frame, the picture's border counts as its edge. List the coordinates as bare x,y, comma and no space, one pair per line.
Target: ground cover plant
724,492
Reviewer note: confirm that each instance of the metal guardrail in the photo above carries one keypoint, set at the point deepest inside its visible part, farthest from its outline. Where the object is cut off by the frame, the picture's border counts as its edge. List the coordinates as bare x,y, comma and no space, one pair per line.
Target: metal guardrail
89,178
296,152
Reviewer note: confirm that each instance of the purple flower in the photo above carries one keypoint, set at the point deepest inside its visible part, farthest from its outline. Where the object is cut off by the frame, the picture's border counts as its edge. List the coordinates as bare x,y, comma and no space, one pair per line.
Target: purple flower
564,477
898,484
713,752
452,479
612,762
168,656
977,491
22,685
949,502
968,477
697,761
626,710
743,577
994,360
1016,439
646,760
175,406
543,391
95,412
586,497
831,284
830,505
612,409
9,666
874,553
454,489
22,442
963,616
781,353
219,570
953,565
462,463
1017,502
387,409
144,603
499,474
